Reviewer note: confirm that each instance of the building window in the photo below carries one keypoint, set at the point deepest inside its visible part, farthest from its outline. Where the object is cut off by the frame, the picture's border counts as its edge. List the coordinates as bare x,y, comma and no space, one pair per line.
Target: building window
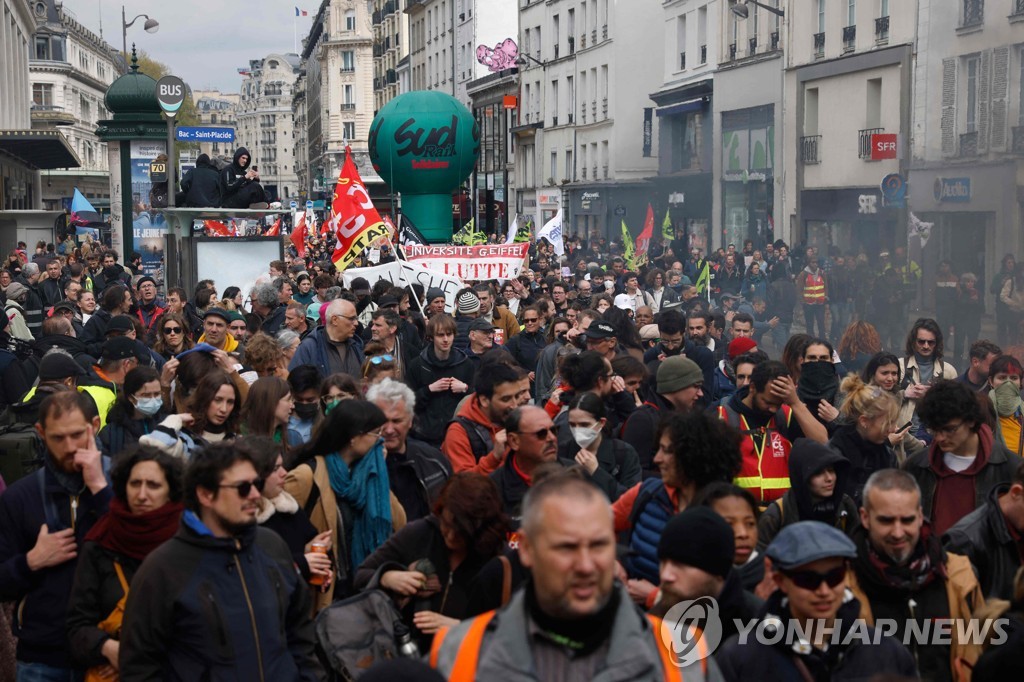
350,20
348,60
821,16
1020,90
42,47
348,130
974,12
42,94
554,168
972,94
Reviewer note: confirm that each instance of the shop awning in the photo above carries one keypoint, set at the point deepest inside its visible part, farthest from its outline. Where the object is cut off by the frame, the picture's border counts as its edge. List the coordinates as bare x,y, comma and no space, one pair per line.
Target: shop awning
695,104
39,149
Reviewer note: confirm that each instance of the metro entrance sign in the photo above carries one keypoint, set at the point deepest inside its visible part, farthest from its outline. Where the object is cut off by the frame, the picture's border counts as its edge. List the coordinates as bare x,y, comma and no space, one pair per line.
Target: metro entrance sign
883,146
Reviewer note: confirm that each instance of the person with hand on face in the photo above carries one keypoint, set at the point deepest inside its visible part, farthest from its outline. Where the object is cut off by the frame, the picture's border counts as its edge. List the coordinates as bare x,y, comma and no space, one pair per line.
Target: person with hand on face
440,377
902,573
571,620
611,464
44,518
136,411
144,513
214,409
186,612
416,471
810,562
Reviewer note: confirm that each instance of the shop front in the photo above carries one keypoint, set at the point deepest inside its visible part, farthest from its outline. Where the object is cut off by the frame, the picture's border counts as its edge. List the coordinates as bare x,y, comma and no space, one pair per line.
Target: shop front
689,202
853,219
748,181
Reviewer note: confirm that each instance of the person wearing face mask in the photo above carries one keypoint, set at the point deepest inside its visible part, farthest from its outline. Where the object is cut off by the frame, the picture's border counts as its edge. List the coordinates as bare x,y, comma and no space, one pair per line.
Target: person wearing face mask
611,464
136,412
818,383
818,475
1004,376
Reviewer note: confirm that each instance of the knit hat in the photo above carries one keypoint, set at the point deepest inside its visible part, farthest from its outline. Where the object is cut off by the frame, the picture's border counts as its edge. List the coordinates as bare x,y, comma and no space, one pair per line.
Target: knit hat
120,323
676,373
217,312
433,293
468,303
16,291
59,365
235,316
700,538
741,345
143,280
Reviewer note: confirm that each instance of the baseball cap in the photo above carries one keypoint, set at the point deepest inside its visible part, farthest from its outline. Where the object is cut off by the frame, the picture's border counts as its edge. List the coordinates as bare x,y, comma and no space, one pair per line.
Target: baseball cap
600,330
387,301
121,348
59,365
217,312
120,323
481,325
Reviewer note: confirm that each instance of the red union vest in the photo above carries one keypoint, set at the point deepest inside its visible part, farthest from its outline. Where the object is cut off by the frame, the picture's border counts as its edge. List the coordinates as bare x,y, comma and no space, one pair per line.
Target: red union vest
764,470
814,288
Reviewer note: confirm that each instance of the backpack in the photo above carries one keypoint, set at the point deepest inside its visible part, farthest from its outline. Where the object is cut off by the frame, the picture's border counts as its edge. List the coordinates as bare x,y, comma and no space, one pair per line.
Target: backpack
21,451
479,436
219,163
357,632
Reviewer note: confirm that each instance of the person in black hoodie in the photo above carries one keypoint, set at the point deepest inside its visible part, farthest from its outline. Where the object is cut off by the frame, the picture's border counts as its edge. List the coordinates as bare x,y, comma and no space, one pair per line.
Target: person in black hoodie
440,377
866,436
817,475
203,186
241,183
136,411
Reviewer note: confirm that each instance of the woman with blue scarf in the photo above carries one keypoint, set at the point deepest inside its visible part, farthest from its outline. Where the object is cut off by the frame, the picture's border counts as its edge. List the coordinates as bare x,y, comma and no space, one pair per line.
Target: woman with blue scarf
342,483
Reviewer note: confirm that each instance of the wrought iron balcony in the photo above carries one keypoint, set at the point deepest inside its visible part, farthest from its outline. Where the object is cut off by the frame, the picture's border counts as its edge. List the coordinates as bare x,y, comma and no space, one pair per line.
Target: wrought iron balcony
819,45
882,29
974,13
849,38
809,149
969,144
775,40
753,46
703,54
864,141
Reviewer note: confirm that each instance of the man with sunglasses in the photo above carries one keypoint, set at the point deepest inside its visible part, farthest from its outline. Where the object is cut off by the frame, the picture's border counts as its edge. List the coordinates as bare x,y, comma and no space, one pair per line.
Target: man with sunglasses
903,574
811,561
532,441
223,595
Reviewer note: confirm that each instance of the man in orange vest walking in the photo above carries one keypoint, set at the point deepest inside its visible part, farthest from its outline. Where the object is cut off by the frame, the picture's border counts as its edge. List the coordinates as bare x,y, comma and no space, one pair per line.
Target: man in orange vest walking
814,294
571,620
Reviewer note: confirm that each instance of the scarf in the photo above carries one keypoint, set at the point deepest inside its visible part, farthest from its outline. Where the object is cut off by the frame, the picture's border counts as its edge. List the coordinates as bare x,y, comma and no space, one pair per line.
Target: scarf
818,381
365,488
579,635
926,563
284,503
1006,399
73,484
135,535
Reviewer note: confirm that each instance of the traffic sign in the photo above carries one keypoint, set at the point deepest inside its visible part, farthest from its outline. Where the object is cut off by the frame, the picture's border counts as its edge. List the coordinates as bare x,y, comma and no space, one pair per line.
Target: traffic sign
309,205
194,134
170,91
883,146
294,205
894,190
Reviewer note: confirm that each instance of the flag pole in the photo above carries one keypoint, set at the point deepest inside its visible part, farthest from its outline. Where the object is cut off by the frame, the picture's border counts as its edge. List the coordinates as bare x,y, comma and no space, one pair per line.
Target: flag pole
412,292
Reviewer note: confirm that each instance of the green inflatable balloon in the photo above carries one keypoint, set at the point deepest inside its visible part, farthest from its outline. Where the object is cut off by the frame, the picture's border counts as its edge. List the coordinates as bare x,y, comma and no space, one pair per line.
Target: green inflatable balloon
424,144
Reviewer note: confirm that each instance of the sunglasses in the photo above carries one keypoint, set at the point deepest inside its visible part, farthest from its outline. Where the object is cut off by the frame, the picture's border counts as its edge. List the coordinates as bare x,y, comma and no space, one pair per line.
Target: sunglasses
245,487
172,330
926,342
377,359
811,580
528,320
542,434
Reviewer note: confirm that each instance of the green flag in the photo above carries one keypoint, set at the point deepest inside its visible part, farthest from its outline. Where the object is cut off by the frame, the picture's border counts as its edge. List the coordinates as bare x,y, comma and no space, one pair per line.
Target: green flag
627,245
703,277
667,233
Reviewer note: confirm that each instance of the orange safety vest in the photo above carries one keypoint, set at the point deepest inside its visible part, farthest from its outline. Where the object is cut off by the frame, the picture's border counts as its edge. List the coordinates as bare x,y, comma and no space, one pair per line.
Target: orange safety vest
468,657
814,288
764,470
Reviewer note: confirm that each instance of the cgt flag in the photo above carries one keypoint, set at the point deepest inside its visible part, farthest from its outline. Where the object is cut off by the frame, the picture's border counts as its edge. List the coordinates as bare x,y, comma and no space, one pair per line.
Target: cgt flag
643,240
298,235
355,223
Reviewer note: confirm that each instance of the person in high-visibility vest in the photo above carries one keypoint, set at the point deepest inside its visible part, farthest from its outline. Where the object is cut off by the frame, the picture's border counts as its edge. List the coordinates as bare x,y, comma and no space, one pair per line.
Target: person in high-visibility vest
814,296
571,620
770,416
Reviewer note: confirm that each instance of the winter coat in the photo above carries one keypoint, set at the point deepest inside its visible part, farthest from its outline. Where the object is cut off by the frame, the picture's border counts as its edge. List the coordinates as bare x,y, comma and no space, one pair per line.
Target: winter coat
512,488
203,186
983,536
118,436
417,476
18,328
232,178
640,428
865,458
209,608
313,351
32,307
526,347
618,466
434,410
41,596
96,592
651,509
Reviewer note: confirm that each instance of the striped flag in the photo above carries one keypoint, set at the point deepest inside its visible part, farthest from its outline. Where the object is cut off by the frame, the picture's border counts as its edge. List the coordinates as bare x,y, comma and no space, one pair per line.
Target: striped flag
301,12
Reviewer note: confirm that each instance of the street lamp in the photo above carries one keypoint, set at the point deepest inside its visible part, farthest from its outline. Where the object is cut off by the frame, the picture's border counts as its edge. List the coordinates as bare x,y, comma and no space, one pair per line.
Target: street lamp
741,10
521,60
151,26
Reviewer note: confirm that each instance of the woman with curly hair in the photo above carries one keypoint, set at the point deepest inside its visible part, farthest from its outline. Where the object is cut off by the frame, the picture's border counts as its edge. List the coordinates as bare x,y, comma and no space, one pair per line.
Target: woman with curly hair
264,355
172,336
859,344
466,530
694,450
658,293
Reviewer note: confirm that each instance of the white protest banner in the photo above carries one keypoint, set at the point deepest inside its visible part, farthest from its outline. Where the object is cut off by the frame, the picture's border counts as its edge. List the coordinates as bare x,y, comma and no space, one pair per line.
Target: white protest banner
401,273
486,261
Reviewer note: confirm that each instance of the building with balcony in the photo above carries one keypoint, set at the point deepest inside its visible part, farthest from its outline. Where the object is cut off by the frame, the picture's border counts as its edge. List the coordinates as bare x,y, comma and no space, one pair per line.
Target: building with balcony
300,156
967,159
495,99
849,71
390,47
264,122
70,69
580,133
337,58
217,109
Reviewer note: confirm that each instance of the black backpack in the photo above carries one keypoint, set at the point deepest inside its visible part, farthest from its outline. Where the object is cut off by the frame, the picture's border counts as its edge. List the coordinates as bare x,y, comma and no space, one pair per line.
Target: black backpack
479,436
21,451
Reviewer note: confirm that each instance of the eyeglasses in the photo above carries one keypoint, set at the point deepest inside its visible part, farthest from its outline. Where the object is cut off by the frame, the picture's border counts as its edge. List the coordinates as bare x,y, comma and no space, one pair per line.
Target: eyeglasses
172,330
926,342
812,580
376,434
377,359
542,434
245,487
947,430
346,317
528,320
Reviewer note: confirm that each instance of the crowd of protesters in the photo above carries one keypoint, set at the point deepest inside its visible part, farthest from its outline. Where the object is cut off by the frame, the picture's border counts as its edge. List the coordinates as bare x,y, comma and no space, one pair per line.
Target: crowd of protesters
534,472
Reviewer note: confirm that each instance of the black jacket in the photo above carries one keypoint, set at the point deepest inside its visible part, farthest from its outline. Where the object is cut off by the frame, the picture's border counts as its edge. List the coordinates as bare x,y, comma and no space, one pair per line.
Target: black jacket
984,538
42,596
618,466
525,347
865,458
857,660
435,410
512,487
52,292
639,431
275,321
297,531
417,476
203,186
208,608
233,178
96,592
33,307
96,328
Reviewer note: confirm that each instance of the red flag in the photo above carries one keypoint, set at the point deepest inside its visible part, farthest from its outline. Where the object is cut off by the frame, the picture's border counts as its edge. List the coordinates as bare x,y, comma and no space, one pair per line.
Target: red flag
215,228
392,230
355,222
275,230
325,227
298,236
643,240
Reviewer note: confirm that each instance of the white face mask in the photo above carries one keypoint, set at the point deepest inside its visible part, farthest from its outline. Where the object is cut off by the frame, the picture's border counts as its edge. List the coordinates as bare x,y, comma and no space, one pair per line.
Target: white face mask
586,435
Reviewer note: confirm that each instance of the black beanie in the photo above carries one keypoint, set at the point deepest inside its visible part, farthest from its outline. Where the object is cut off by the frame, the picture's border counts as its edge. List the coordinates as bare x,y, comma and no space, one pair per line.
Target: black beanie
700,538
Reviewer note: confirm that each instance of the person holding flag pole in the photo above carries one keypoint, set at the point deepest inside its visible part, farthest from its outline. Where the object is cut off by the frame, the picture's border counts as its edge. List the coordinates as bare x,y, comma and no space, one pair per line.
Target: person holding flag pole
552,232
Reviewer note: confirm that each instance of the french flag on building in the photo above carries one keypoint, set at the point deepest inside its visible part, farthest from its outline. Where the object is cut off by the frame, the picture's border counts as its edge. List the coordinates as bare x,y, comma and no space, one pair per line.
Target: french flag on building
301,12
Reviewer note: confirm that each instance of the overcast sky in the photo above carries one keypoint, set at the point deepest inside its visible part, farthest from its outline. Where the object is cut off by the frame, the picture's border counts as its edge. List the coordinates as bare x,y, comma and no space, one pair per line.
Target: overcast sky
202,41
